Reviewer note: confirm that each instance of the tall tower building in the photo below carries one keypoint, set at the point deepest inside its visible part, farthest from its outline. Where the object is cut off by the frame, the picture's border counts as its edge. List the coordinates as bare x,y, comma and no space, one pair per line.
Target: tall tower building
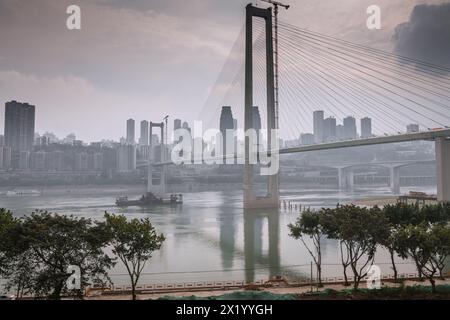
350,128
130,131
226,120
176,124
19,126
329,129
318,118
256,119
413,127
144,139
226,123
366,128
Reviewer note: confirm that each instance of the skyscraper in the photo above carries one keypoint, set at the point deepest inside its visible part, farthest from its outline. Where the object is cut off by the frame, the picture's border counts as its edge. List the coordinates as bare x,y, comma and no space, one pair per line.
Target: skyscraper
256,118
19,126
350,128
176,124
329,129
318,117
366,128
144,139
226,120
186,126
130,131
226,123
411,128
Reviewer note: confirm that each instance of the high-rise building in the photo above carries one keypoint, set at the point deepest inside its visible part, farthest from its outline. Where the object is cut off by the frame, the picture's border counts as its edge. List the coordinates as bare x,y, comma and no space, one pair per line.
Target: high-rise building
350,128
130,132
226,123
19,126
126,158
186,126
366,128
329,129
176,124
306,139
5,158
340,133
318,117
411,128
256,119
24,160
143,140
226,120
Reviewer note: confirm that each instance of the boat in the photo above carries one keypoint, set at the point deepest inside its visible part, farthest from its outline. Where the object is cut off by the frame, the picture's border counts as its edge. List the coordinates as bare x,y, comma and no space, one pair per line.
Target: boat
149,199
23,193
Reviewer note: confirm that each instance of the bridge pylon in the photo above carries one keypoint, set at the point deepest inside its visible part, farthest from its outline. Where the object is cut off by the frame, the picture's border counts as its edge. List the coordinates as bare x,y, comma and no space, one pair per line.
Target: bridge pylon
158,189
271,200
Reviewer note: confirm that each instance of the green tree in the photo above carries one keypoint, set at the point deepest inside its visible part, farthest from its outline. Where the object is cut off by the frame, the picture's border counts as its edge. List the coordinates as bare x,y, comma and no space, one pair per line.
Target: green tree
8,249
48,244
427,245
357,229
133,241
309,225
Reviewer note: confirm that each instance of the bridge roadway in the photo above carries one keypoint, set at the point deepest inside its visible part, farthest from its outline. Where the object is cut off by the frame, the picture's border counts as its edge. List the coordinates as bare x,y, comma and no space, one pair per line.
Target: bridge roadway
440,136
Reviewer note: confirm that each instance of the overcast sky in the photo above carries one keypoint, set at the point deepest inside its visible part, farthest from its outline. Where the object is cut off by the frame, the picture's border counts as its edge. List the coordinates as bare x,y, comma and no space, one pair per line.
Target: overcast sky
144,59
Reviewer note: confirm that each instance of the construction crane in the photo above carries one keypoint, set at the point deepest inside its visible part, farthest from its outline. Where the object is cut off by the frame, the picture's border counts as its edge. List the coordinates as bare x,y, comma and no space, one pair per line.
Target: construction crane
276,4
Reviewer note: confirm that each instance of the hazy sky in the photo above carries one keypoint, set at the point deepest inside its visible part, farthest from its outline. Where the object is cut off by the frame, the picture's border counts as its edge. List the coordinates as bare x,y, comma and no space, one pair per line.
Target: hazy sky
144,59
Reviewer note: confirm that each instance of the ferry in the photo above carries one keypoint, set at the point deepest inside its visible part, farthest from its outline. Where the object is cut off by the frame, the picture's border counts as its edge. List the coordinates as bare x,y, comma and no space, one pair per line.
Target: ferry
149,199
14,193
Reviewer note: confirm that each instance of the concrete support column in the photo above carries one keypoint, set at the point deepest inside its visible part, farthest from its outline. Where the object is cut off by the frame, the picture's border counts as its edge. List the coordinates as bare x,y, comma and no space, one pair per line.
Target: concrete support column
341,178
350,177
443,169
394,174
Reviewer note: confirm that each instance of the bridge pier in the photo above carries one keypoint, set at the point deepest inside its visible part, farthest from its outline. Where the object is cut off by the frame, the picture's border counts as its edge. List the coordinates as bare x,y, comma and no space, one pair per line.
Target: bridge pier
443,169
346,179
394,174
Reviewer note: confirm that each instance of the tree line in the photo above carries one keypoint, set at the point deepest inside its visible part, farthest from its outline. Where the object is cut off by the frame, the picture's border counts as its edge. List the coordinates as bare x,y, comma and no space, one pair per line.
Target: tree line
419,233
38,251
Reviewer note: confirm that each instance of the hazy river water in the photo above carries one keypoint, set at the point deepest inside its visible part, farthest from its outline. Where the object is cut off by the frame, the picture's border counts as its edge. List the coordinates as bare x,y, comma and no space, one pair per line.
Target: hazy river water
210,237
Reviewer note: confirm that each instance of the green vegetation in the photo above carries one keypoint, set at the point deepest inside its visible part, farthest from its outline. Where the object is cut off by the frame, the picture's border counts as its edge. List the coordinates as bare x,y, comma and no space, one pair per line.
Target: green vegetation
133,242
421,233
402,292
38,253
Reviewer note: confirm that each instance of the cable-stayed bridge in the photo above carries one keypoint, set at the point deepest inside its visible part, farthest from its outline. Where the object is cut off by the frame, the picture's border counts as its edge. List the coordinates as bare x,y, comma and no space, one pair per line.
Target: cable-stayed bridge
320,72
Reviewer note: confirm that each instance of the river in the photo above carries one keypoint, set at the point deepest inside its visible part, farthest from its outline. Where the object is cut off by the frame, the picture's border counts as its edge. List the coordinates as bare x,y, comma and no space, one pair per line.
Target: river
210,237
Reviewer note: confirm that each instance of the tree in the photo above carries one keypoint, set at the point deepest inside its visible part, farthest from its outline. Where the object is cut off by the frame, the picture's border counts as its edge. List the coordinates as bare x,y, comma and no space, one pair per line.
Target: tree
427,245
309,224
357,229
133,242
331,228
8,223
49,244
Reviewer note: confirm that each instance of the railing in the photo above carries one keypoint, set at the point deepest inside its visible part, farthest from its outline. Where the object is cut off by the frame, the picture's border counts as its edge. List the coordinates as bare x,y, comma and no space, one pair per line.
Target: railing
229,285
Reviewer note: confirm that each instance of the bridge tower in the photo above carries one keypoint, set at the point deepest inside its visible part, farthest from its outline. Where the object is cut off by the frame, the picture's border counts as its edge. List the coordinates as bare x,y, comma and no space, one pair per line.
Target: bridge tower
271,200
158,189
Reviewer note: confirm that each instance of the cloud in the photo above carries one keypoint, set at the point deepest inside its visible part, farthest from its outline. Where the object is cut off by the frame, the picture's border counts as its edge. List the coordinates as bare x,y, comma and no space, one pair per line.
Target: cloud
66,104
426,36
